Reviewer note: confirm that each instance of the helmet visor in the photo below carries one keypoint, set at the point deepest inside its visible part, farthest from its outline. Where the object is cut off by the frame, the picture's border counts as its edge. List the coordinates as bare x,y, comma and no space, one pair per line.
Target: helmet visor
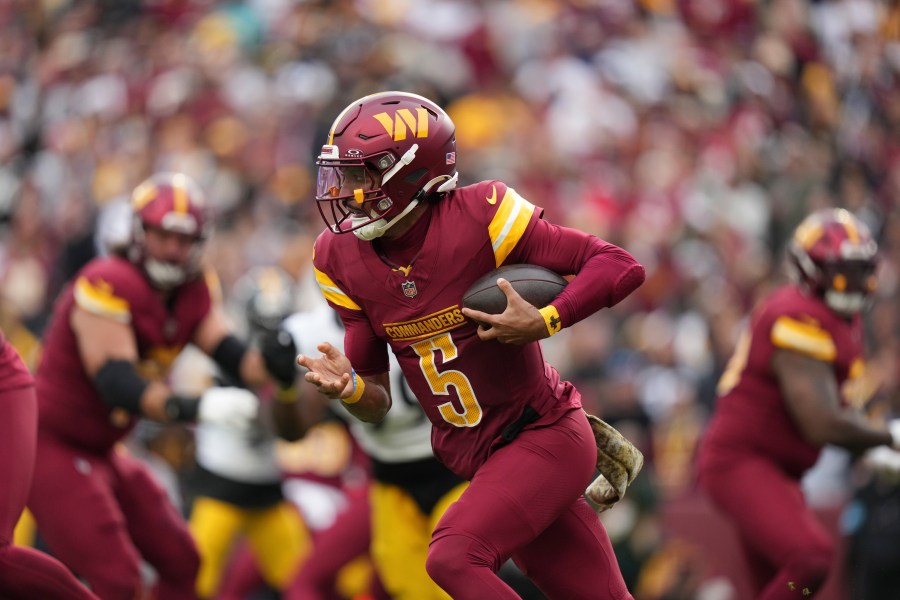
350,192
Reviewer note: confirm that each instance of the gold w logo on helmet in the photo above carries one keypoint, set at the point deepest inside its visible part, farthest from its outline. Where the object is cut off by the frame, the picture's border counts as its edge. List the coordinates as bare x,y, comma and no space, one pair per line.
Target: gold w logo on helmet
403,119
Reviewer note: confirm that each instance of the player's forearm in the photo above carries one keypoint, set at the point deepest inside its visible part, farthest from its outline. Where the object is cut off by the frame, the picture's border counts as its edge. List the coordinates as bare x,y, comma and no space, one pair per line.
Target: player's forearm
120,386
605,273
153,402
849,430
253,369
287,415
608,276
370,401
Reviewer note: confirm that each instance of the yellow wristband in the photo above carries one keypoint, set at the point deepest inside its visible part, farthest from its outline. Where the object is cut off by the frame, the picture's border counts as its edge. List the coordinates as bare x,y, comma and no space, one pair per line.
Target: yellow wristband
551,319
286,395
359,386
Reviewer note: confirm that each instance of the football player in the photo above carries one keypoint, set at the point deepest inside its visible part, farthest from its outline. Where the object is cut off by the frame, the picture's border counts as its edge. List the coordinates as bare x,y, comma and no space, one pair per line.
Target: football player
115,331
787,392
410,488
238,480
401,247
25,573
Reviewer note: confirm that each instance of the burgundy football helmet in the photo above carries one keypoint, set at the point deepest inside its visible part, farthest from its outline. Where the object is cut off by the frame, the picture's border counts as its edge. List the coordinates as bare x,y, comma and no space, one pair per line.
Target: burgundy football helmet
385,154
834,255
170,202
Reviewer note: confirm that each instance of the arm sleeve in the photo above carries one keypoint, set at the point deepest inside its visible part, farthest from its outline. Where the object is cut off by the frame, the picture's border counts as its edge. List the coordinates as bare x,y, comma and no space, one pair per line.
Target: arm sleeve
604,273
367,352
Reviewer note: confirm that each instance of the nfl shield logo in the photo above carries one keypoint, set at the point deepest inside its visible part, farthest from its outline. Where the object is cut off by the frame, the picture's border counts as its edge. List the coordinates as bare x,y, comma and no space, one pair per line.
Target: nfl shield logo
409,289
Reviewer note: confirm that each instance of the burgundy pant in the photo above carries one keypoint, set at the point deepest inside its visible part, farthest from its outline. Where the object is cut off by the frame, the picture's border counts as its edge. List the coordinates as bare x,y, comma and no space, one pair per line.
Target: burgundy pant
526,502
101,514
24,573
788,549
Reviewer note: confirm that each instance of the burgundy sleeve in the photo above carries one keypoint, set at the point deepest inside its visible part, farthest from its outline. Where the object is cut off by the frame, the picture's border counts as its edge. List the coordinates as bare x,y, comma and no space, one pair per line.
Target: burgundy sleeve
605,274
367,352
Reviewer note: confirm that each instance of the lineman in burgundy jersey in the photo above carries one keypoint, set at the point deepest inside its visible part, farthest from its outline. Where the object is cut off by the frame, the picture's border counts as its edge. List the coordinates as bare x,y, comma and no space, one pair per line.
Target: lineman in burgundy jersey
751,414
788,391
24,573
501,415
70,404
114,333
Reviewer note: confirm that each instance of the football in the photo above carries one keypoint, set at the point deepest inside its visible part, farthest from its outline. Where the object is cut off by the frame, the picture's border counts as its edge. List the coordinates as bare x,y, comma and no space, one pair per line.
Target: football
535,284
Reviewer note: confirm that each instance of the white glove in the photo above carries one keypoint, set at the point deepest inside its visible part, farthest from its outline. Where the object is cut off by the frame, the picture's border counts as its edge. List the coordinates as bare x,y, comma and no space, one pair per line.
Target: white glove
232,407
894,428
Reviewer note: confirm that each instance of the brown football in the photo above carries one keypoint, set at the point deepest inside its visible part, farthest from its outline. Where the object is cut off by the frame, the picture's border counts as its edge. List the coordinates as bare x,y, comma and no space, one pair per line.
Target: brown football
535,284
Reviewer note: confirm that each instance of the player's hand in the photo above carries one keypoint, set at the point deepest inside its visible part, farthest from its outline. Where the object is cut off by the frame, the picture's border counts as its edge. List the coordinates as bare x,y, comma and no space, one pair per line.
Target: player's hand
233,407
329,372
279,354
519,324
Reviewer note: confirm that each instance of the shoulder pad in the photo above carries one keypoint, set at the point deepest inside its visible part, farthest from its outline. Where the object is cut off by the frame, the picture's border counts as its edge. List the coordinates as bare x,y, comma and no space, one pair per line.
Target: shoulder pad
804,335
108,287
322,267
503,210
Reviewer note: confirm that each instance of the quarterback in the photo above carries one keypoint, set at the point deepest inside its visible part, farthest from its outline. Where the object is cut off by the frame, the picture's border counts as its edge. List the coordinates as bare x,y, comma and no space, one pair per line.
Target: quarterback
786,392
402,245
114,333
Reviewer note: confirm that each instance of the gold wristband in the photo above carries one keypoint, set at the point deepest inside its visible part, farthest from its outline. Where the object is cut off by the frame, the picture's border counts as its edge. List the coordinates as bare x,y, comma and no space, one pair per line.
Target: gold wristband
359,386
286,395
551,319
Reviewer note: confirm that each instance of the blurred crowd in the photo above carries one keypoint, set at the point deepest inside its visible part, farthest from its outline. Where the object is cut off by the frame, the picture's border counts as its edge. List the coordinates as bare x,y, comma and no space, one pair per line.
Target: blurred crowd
694,133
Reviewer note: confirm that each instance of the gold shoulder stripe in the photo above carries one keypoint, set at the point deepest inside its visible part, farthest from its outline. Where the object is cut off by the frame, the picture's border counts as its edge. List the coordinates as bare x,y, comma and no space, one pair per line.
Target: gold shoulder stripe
100,300
806,338
509,224
333,293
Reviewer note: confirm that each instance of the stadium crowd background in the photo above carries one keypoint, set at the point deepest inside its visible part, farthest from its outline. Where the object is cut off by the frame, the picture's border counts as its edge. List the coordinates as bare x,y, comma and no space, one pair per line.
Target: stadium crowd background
694,133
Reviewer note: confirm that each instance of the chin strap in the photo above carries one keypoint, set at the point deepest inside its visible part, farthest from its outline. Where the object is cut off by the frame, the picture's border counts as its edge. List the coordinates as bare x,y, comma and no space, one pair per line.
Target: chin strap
376,229
845,303
164,276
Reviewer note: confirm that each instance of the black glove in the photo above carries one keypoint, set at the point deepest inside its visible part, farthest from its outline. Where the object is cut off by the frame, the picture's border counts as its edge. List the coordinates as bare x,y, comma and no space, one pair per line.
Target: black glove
280,355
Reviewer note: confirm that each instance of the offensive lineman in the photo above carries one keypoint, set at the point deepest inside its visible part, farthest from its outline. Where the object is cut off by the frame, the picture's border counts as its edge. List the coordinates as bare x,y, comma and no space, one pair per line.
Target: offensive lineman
786,393
114,333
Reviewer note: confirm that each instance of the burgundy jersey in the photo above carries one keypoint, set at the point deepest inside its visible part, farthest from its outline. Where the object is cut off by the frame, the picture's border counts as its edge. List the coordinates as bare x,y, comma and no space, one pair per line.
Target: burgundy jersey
470,389
751,414
70,406
13,372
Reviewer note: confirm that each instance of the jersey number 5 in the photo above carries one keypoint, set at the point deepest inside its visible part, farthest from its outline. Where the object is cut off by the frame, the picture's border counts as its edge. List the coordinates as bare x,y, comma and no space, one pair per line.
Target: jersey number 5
439,382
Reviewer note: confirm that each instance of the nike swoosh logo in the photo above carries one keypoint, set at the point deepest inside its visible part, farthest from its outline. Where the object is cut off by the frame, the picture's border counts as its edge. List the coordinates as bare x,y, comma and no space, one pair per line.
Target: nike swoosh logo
492,199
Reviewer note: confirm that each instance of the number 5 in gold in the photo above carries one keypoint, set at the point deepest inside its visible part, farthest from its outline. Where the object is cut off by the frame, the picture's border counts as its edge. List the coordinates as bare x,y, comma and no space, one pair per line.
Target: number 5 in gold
439,382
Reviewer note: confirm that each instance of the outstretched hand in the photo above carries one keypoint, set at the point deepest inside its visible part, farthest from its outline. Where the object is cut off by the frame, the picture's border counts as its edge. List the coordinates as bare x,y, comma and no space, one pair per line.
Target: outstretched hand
329,372
519,324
